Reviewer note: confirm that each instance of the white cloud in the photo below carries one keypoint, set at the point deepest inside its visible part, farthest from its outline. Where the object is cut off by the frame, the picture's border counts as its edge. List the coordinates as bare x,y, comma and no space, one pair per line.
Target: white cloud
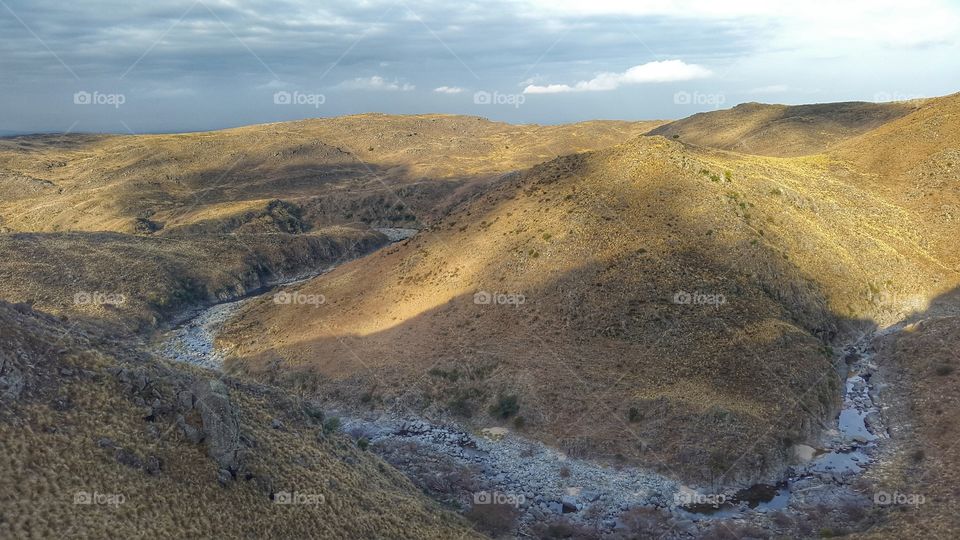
772,89
448,90
651,72
376,82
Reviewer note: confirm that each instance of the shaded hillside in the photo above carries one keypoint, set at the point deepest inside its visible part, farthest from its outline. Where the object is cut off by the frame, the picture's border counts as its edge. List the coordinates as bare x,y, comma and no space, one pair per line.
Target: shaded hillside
602,358
922,390
782,130
122,283
171,222
96,442
338,170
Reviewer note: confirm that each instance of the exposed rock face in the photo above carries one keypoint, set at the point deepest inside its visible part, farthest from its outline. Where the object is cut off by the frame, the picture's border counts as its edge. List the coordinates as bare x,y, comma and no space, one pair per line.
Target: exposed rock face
11,380
221,426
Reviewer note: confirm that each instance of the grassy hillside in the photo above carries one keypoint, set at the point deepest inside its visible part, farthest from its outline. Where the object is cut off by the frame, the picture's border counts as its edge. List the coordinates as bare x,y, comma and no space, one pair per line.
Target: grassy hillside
601,358
782,130
106,237
122,283
91,447
336,171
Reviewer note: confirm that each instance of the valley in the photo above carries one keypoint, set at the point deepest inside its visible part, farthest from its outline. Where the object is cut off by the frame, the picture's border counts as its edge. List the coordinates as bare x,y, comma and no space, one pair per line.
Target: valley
597,330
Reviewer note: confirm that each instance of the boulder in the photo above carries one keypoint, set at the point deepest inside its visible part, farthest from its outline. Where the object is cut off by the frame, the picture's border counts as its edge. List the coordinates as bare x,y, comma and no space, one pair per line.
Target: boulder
221,426
191,433
11,381
224,477
153,465
126,457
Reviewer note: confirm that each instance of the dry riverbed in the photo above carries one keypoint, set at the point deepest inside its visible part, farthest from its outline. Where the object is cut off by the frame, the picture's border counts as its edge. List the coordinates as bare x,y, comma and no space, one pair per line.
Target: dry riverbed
463,469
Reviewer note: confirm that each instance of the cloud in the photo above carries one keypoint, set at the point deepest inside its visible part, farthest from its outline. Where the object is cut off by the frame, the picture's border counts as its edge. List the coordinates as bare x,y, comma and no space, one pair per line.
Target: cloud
376,82
448,90
651,72
772,89
814,23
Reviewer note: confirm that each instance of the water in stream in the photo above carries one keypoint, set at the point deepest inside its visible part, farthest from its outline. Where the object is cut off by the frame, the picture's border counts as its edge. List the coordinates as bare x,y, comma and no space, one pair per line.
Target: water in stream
516,465
845,451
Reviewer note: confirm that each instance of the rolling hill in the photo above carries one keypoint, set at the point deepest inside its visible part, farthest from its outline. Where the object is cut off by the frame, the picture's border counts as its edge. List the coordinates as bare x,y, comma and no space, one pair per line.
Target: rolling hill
600,354
782,130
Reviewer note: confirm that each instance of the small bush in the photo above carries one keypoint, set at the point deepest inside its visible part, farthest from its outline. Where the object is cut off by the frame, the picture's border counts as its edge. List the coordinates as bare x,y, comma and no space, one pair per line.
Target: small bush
505,407
493,519
460,406
943,370
332,425
363,443
634,414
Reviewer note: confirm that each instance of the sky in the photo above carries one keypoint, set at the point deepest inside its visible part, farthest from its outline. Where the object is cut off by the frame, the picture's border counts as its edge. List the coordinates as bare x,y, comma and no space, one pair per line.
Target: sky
192,65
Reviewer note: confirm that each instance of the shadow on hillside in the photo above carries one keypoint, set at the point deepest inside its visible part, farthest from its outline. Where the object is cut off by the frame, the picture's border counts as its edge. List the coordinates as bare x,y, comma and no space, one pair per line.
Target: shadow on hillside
719,393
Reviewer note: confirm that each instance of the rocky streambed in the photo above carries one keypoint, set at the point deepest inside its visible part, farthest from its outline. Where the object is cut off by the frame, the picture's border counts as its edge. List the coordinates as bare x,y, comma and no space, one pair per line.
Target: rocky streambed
193,340
465,468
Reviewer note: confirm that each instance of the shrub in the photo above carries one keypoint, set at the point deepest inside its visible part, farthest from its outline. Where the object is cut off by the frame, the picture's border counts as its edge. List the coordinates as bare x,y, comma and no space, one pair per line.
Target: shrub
460,406
505,407
634,414
363,443
493,519
331,425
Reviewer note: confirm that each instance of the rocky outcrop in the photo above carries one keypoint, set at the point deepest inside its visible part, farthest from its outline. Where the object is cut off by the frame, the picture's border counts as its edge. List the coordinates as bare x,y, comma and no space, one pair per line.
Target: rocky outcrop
221,426
11,380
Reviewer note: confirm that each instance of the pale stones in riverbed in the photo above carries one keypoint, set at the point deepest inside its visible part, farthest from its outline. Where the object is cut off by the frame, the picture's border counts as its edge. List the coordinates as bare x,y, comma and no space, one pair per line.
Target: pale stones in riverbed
803,453
494,433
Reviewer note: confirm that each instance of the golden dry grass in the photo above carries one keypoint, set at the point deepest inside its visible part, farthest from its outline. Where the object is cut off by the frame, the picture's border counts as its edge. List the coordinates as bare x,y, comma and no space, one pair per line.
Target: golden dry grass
50,454
598,244
782,130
